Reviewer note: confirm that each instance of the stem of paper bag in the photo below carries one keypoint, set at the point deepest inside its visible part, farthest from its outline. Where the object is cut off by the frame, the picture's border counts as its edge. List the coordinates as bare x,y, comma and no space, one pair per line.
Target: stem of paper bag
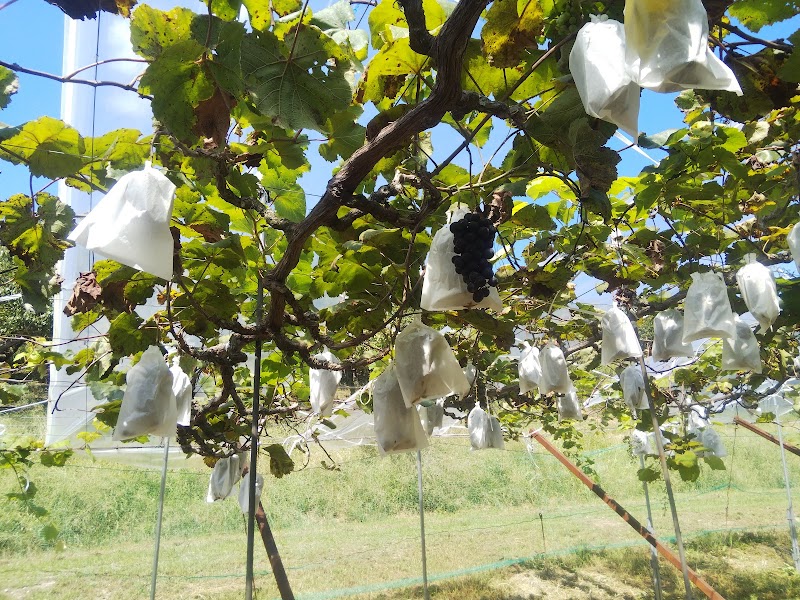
789,509
251,508
667,482
422,527
154,575
653,551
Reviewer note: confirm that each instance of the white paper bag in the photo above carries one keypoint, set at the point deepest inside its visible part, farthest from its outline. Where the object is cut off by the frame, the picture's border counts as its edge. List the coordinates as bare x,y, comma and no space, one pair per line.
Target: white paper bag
707,311
431,415
555,376
442,287
478,427
667,47
643,443
182,388
495,434
426,367
757,286
569,407
244,492
470,372
131,223
631,381
598,67
148,404
713,442
323,384
397,426
484,429
668,336
793,241
741,353
226,472
619,338
530,371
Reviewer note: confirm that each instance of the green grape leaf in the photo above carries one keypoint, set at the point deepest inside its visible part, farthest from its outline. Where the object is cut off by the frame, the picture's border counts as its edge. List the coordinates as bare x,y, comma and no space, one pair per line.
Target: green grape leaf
648,474
299,84
36,240
755,14
789,70
512,27
128,334
9,84
280,463
49,147
345,134
178,85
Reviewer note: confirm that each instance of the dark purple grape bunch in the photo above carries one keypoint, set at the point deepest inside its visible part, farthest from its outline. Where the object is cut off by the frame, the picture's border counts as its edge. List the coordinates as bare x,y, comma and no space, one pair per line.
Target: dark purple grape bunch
473,239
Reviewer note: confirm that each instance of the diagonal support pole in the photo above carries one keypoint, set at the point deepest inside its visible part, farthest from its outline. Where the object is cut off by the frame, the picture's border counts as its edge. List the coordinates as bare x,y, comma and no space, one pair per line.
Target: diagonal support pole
704,587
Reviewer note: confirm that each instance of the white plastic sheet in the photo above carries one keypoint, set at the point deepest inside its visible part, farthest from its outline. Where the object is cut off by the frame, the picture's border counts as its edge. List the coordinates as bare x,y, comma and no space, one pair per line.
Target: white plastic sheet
631,381
182,388
226,473
619,338
425,365
555,376
741,353
323,384
776,404
668,336
148,404
530,371
397,426
757,286
431,415
793,240
244,492
442,287
598,67
707,309
569,407
667,47
131,223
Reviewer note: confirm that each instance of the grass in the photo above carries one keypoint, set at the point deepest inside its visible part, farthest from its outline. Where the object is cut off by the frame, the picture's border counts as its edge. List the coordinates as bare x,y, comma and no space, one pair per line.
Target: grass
357,528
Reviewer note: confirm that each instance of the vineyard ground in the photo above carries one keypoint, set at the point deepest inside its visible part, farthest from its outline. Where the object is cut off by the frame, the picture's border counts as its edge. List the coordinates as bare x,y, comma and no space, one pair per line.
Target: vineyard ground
509,525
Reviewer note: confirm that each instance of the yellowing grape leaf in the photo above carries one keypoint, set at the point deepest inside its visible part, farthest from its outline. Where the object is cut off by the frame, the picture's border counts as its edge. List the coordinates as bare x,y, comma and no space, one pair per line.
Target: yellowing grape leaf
512,27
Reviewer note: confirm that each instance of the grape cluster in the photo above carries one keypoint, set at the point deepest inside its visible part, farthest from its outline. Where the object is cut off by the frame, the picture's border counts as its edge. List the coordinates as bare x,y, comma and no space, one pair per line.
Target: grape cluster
473,239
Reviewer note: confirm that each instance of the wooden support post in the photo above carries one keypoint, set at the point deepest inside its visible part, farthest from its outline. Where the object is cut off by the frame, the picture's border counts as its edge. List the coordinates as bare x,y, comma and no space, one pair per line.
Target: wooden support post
766,435
702,585
274,556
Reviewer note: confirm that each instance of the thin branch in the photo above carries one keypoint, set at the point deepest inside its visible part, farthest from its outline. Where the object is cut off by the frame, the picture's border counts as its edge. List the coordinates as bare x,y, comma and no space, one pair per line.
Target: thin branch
104,62
59,78
751,38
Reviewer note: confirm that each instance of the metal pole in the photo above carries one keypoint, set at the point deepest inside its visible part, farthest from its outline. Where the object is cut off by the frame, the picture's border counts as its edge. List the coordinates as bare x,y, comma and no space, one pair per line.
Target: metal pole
653,552
154,576
789,510
251,512
422,527
667,482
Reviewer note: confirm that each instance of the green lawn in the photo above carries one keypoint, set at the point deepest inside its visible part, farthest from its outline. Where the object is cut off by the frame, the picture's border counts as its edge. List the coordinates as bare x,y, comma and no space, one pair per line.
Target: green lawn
512,525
